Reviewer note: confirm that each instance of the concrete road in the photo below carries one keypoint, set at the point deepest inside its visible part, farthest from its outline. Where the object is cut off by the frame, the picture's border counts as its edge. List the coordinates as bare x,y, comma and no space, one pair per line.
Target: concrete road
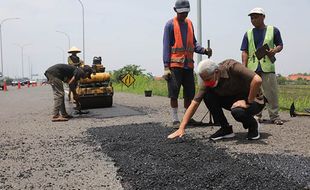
125,147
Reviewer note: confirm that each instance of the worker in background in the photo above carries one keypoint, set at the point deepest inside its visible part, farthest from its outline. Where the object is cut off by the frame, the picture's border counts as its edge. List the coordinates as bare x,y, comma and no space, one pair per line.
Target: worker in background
254,39
179,45
74,60
58,74
231,86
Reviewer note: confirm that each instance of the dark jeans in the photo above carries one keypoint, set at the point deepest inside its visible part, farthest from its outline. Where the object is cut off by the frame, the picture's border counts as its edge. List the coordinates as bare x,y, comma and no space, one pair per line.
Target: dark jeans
215,104
184,77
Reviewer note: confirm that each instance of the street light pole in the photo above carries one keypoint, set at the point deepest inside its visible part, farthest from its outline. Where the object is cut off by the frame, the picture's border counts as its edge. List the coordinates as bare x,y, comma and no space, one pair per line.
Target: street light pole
199,56
83,30
63,54
30,68
22,50
1,23
68,37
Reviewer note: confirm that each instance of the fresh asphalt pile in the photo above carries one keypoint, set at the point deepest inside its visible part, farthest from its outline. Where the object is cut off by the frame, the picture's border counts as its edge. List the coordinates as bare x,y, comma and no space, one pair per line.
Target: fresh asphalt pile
148,161
126,147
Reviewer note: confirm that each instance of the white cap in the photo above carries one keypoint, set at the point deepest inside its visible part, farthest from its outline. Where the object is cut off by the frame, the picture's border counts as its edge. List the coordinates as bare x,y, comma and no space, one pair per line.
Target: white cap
182,6
183,10
257,10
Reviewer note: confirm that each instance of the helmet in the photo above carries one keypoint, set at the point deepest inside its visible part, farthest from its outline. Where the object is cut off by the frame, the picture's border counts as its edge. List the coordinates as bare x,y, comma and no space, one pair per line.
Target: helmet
182,6
74,49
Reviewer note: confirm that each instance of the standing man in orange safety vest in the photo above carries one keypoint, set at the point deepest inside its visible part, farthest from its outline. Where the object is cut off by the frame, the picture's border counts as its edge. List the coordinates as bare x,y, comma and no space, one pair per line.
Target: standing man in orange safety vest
179,45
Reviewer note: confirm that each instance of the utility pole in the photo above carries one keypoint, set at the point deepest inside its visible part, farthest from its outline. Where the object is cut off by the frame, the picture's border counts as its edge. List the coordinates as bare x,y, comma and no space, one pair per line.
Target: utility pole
22,56
1,23
83,29
199,38
30,67
63,54
68,37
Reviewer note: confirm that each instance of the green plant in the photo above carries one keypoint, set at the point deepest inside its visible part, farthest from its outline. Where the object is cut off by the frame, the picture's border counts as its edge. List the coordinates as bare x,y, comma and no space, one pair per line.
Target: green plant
300,94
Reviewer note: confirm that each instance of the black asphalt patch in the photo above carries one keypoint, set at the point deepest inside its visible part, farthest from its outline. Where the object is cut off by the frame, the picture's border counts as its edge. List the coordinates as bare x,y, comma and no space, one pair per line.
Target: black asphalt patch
147,160
110,112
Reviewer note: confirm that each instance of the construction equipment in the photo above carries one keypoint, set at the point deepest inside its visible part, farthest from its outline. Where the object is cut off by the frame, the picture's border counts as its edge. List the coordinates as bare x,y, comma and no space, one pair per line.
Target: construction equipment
96,92
293,113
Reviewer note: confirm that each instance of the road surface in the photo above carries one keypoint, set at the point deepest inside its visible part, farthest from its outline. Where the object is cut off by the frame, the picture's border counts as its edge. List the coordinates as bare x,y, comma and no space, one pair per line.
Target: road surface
125,147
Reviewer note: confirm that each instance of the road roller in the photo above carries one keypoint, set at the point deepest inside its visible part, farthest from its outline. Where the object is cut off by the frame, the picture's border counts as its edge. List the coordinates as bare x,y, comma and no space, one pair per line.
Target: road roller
96,92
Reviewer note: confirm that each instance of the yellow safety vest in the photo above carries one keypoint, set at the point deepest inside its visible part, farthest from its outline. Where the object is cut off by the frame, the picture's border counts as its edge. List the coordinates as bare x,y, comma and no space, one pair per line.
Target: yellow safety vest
266,64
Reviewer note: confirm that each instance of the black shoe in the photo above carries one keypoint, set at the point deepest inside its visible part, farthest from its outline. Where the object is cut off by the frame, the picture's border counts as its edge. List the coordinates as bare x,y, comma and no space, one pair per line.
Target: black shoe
278,122
253,133
223,133
175,124
193,122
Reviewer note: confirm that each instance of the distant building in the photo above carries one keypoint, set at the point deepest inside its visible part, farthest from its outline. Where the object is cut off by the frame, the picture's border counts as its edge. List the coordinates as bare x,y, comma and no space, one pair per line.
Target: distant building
158,78
297,76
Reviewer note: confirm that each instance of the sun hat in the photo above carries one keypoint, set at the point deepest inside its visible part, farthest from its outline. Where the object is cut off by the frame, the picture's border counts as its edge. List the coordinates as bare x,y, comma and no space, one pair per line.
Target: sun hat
74,49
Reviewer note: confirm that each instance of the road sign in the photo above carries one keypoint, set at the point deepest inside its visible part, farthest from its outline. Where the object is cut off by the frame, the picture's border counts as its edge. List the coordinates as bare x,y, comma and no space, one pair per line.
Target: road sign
128,80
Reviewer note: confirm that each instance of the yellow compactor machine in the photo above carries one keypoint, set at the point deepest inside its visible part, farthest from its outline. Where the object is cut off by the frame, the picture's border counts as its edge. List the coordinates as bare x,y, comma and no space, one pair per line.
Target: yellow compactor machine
96,92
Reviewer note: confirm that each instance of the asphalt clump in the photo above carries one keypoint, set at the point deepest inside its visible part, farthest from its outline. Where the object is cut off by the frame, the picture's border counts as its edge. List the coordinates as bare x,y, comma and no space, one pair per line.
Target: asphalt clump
147,160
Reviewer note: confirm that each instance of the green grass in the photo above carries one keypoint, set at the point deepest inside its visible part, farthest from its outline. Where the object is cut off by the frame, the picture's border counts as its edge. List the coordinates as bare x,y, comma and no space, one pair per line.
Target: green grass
300,94
158,87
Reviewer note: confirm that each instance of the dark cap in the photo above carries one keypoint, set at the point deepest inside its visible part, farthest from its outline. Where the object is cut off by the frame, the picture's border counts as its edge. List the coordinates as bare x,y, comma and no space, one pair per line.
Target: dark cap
88,70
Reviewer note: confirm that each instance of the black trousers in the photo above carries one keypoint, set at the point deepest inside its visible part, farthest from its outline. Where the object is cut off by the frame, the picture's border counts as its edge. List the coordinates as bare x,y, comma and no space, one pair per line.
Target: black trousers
216,103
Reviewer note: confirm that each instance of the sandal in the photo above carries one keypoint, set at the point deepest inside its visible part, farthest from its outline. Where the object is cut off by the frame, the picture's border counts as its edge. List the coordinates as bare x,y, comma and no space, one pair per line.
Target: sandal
278,122
59,119
55,116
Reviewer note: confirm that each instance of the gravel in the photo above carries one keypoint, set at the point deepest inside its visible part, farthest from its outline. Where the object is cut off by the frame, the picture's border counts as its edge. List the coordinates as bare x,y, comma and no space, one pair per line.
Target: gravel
125,147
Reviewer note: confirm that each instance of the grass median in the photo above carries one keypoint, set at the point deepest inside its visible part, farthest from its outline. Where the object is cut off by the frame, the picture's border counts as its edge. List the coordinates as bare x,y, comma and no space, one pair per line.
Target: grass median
300,94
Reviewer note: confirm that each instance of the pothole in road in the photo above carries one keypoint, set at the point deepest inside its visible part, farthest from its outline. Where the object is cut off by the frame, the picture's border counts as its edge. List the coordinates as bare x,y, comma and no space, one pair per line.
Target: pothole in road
147,160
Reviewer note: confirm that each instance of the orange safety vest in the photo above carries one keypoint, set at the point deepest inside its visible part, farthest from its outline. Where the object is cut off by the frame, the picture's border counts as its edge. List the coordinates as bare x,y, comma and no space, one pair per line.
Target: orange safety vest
179,54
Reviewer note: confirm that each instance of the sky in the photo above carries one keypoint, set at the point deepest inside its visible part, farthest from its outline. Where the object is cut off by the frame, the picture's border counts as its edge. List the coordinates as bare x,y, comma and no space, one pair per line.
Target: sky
126,32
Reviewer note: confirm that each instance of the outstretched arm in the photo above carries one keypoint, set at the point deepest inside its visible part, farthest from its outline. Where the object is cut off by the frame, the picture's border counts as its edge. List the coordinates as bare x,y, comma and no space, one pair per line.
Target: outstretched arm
187,116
